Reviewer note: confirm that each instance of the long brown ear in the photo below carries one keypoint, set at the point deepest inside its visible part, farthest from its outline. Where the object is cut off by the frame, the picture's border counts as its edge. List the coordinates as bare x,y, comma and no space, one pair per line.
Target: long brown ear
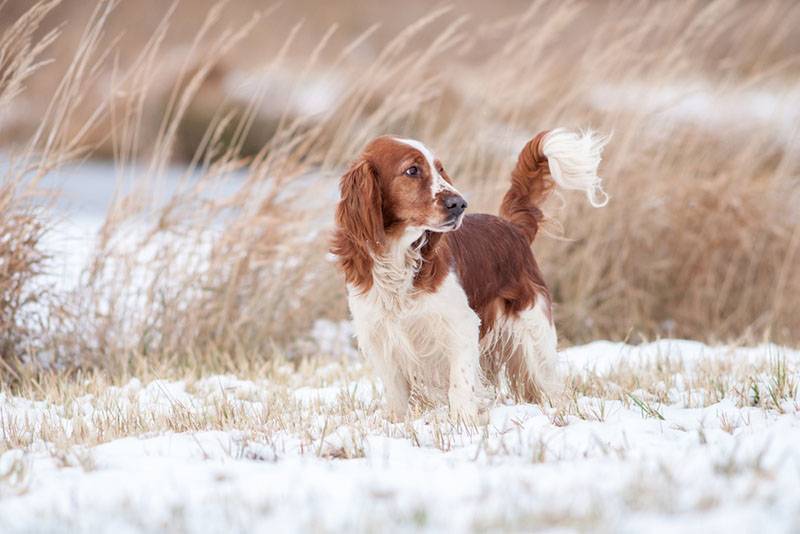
359,224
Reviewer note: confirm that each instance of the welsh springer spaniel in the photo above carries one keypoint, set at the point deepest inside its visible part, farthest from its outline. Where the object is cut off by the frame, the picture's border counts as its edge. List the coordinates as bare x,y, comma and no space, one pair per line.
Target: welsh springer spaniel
446,304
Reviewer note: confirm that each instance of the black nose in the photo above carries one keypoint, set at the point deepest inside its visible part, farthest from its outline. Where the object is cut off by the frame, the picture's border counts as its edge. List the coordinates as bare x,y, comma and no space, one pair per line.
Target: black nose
455,205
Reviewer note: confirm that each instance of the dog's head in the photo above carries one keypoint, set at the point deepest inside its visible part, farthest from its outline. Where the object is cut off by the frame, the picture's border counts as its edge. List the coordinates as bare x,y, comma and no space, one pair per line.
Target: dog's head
393,194
397,187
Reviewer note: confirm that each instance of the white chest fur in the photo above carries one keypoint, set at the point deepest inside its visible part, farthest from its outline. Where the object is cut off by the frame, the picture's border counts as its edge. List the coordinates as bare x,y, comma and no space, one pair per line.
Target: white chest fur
424,345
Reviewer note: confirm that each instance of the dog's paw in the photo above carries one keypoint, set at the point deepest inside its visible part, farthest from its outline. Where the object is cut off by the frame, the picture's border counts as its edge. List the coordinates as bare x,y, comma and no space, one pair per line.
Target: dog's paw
396,412
463,411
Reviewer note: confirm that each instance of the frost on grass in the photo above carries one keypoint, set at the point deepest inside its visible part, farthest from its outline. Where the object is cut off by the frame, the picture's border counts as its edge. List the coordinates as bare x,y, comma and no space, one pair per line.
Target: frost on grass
670,435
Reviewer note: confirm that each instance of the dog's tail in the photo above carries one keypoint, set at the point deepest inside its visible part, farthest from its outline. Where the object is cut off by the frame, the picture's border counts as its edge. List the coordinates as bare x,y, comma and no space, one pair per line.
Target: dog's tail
555,157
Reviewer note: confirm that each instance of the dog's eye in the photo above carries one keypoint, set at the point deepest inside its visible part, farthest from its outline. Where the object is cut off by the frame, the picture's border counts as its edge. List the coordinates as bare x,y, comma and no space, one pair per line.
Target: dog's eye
412,171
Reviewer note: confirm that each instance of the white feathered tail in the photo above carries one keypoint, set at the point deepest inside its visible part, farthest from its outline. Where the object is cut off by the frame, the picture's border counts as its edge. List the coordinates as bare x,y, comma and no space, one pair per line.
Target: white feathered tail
556,157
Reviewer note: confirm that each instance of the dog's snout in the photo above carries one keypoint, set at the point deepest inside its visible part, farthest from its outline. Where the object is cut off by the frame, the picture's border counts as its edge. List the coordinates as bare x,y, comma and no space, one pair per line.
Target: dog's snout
455,205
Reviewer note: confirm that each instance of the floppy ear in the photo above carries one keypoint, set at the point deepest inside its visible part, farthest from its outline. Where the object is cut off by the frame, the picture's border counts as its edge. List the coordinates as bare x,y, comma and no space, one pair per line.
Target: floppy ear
359,224
359,212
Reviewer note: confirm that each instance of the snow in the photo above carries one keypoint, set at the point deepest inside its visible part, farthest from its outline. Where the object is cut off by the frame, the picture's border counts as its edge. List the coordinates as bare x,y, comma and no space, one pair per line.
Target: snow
604,356
718,108
337,465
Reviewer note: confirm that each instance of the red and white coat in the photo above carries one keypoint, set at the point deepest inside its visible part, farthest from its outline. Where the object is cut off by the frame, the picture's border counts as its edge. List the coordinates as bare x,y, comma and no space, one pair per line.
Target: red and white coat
446,304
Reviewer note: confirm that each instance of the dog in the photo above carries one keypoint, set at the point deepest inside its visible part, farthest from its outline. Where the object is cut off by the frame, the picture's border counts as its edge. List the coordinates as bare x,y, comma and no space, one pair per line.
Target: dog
446,305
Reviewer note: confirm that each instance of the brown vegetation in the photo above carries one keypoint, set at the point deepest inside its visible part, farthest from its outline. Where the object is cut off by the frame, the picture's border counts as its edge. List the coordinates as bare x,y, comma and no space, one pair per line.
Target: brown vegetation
700,239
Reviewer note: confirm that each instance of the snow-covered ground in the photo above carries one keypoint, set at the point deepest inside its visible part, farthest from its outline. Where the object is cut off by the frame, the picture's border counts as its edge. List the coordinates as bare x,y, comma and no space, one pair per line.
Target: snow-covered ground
669,436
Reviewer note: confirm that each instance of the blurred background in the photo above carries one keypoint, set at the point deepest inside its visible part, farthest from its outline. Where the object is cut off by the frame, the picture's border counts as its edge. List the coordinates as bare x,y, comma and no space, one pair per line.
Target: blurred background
169,171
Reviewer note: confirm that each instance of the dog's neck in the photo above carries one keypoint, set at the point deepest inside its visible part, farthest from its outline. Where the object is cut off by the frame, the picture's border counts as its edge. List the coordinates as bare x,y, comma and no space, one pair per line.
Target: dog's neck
395,269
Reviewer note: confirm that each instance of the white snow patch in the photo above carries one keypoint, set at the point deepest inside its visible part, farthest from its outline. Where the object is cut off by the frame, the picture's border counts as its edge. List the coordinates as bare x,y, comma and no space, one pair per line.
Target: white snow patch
623,471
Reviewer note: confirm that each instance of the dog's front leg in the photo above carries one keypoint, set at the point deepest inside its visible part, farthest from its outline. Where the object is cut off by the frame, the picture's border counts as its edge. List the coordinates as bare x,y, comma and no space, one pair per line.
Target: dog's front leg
395,386
464,360
377,347
377,340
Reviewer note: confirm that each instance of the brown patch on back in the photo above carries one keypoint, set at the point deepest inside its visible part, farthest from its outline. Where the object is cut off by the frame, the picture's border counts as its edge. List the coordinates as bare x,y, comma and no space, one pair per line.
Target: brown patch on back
496,267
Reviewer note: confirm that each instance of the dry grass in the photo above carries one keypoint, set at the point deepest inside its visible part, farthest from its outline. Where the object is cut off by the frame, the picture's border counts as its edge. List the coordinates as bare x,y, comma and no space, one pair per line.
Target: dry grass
228,271
22,221
21,261
283,402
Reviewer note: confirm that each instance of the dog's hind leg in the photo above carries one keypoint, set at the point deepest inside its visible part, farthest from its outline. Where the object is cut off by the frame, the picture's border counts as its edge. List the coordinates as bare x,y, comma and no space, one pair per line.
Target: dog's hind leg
532,357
